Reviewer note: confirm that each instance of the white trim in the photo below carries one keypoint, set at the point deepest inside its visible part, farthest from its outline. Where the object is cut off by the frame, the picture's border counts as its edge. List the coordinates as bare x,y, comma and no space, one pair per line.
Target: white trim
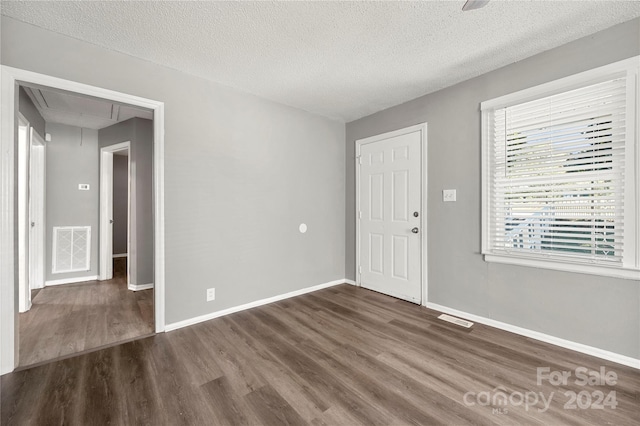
630,268
568,344
552,263
138,287
105,269
9,78
424,213
358,266
8,337
116,256
158,187
212,315
61,281
129,193
562,85
37,205
636,111
633,173
24,154
352,282
422,128
485,178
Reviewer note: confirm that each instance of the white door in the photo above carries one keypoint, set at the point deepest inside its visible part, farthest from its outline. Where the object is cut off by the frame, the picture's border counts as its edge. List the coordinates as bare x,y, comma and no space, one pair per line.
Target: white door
390,216
36,211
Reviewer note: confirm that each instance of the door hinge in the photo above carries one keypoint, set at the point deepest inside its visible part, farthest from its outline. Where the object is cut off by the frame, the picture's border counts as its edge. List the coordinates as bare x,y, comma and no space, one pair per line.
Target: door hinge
359,215
359,158
360,269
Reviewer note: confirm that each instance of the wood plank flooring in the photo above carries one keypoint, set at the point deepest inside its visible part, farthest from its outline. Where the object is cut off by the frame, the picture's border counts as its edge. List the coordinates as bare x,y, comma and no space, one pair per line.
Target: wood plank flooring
72,318
339,356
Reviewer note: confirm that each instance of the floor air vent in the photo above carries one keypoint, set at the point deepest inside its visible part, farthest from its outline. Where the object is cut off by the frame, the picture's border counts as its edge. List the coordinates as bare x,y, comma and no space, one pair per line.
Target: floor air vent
457,321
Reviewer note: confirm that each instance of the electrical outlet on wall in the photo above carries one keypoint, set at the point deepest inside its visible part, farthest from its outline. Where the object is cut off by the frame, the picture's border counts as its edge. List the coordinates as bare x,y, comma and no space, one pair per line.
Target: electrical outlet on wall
211,294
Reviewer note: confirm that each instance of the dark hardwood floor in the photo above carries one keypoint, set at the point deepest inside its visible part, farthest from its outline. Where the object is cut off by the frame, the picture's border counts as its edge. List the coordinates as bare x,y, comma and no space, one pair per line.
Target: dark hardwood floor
72,318
339,356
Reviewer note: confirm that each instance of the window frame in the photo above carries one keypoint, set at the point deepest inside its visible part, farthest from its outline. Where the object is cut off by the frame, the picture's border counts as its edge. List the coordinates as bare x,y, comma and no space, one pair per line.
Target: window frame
630,268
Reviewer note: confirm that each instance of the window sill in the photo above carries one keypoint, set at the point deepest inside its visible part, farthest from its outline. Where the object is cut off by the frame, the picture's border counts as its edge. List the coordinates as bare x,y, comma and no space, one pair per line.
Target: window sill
581,268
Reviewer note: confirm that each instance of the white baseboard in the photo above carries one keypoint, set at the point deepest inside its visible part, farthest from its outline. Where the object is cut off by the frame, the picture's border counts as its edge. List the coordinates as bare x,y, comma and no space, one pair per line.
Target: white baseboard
568,344
71,280
115,256
27,308
352,282
138,287
212,315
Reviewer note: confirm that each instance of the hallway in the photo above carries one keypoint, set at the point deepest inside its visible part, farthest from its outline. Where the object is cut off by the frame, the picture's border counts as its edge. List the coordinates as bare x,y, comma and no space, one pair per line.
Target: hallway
72,318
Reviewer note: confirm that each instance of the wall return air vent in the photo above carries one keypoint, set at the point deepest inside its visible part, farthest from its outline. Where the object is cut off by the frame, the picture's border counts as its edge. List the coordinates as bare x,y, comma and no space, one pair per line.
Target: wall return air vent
71,249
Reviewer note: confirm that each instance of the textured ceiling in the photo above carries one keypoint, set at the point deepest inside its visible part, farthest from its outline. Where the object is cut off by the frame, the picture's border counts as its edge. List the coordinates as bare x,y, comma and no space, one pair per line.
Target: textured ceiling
342,60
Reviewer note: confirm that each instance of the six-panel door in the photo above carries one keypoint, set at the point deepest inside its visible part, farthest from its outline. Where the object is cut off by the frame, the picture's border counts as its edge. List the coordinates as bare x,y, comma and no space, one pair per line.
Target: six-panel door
390,201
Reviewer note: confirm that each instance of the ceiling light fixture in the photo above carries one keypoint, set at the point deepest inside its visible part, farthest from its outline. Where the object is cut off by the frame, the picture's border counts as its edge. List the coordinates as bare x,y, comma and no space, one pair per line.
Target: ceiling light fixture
474,4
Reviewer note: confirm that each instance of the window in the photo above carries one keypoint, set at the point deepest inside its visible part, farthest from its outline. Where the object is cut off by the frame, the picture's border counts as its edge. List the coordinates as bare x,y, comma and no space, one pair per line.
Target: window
560,167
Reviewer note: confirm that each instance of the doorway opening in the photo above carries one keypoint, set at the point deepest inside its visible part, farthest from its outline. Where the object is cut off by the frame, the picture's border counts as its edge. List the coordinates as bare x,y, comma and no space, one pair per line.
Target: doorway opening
31,175
115,210
57,140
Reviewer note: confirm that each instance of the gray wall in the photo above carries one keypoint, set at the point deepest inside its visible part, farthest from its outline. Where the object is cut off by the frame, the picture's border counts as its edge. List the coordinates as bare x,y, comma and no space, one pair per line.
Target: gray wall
120,203
72,158
30,112
241,173
597,311
139,132
142,201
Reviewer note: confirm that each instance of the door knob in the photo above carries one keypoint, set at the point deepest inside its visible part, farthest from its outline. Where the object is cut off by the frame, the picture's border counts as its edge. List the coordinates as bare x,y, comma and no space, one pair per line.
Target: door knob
414,230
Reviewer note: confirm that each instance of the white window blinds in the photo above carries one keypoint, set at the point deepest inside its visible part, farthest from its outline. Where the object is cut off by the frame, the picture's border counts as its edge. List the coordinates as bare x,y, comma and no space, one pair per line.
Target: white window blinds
557,184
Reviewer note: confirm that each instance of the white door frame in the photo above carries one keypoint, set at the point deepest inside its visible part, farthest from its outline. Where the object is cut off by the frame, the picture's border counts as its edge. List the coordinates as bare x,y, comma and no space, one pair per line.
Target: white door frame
106,209
37,204
422,128
10,77
24,145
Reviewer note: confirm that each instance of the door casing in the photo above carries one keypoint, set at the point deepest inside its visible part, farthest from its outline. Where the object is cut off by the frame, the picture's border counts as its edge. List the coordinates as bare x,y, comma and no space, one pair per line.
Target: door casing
24,144
10,79
37,205
106,209
422,128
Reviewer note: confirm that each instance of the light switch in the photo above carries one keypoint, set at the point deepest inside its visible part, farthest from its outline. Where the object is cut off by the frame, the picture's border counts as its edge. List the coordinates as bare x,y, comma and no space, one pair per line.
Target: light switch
448,195
83,186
